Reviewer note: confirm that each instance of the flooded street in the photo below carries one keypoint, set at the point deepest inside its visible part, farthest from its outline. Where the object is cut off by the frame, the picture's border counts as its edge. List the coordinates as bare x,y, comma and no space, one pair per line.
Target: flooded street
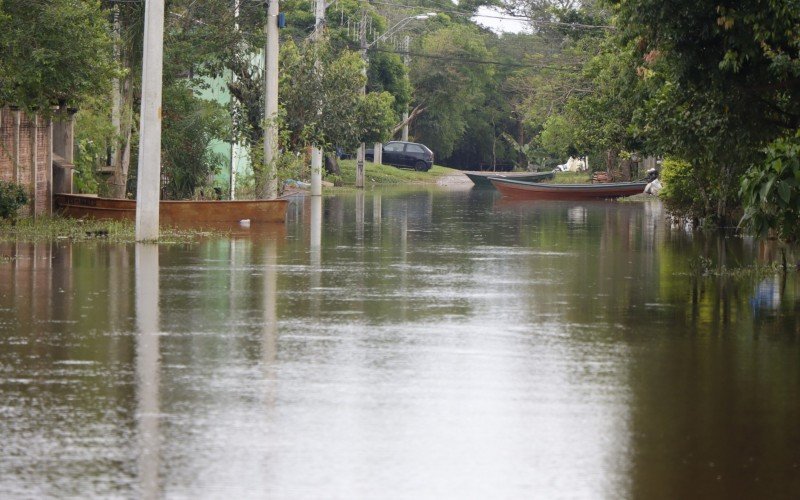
404,343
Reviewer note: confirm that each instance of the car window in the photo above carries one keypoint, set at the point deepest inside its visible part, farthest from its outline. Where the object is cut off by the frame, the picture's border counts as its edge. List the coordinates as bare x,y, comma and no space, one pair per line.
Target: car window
393,147
413,148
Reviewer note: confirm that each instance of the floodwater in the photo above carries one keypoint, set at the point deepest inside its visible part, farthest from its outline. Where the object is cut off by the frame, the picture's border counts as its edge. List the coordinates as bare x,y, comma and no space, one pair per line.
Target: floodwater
403,344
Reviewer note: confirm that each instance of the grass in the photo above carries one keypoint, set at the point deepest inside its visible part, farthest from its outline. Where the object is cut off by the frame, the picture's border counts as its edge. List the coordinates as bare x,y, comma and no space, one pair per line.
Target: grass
570,178
61,228
387,175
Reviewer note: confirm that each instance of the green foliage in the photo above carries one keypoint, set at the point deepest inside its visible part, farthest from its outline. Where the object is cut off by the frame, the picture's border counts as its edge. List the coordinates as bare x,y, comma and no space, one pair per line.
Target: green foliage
288,165
322,100
557,137
720,81
602,117
449,89
12,198
88,154
190,124
93,136
680,193
377,116
770,191
53,52
386,72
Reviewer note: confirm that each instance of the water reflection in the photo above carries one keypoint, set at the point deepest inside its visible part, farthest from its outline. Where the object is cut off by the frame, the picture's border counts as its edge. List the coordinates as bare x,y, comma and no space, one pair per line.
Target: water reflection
449,344
148,369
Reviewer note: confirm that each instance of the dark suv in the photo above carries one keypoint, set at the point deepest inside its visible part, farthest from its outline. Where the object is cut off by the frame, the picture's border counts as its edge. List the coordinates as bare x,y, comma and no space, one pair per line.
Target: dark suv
405,154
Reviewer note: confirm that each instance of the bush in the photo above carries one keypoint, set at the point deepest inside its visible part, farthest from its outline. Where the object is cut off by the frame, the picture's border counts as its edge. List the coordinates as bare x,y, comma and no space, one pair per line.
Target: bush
12,198
681,195
771,192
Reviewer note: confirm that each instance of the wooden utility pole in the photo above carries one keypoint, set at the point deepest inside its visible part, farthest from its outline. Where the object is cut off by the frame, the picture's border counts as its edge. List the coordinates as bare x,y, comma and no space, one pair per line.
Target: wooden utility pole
149,175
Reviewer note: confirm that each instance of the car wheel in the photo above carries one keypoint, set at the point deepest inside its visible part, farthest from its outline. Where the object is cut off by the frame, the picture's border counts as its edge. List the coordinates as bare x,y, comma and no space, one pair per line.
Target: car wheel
421,166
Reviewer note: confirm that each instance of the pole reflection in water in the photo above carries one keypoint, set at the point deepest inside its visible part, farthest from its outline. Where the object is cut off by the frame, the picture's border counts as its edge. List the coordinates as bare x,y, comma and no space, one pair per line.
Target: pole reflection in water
148,368
376,209
316,230
270,316
376,217
360,217
315,249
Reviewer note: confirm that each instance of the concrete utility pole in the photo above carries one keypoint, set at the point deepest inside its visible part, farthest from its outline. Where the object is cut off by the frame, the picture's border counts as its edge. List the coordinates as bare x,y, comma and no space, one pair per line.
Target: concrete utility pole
148,183
234,146
406,58
362,148
270,189
116,111
316,152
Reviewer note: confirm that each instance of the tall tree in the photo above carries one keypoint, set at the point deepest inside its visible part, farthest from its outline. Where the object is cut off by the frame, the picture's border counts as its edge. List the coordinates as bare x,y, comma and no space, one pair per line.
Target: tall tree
322,100
724,80
449,82
53,52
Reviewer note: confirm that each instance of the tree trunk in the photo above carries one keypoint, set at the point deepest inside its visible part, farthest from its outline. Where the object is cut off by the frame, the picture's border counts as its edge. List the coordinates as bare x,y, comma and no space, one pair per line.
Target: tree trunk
122,156
332,164
521,141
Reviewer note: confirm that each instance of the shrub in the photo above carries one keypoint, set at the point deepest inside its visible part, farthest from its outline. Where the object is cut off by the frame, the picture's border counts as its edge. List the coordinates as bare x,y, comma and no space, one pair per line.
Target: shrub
681,195
12,198
771,192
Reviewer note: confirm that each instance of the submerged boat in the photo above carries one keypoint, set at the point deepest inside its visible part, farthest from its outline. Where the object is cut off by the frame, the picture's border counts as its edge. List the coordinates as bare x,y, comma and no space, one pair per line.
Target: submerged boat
538,191
180,212
481,179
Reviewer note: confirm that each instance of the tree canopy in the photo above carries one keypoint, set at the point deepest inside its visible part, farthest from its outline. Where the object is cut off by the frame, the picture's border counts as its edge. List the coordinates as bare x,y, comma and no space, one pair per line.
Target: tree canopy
55,52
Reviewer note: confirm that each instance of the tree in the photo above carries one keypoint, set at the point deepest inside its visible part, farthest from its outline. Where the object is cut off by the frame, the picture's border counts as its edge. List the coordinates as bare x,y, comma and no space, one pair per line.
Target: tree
189,126
771,191
723,80
449,84
322,100
55,52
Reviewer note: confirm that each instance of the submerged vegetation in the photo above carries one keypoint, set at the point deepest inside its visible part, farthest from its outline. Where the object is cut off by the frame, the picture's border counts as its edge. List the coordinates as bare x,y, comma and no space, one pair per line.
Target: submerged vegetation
60,228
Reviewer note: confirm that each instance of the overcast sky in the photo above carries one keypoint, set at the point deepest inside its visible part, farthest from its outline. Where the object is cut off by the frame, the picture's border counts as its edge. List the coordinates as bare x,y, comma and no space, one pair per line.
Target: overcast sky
493,21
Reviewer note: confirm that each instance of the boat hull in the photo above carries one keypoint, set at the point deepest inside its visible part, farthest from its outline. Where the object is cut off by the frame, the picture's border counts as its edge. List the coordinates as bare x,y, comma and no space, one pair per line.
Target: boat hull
482,179
174,212
537,191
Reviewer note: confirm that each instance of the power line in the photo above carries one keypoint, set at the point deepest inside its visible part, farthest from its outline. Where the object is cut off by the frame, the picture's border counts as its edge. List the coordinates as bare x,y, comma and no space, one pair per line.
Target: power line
477,61
527,19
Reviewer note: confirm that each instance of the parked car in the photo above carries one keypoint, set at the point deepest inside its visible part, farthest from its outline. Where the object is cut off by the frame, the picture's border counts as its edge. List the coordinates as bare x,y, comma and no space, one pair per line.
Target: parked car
404,154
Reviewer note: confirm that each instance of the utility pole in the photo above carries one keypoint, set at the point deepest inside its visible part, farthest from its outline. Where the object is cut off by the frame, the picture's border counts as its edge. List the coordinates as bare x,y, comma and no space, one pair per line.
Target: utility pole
270,189
316,152
406,58
362,149
234,145
148,183
116,111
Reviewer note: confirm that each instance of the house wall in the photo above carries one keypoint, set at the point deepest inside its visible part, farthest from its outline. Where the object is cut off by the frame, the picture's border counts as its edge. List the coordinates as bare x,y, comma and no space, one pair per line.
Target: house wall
26,156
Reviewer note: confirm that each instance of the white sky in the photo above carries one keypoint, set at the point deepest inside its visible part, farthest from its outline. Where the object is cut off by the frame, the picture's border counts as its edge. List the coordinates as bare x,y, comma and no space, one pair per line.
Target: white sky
494,23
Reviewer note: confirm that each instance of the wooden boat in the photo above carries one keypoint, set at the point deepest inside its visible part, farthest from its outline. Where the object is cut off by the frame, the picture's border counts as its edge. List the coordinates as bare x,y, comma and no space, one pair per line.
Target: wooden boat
482,179
182,212
538,191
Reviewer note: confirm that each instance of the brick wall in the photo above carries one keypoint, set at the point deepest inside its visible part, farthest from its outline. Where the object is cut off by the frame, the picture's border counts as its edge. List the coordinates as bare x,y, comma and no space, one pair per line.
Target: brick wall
26,157
7,148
